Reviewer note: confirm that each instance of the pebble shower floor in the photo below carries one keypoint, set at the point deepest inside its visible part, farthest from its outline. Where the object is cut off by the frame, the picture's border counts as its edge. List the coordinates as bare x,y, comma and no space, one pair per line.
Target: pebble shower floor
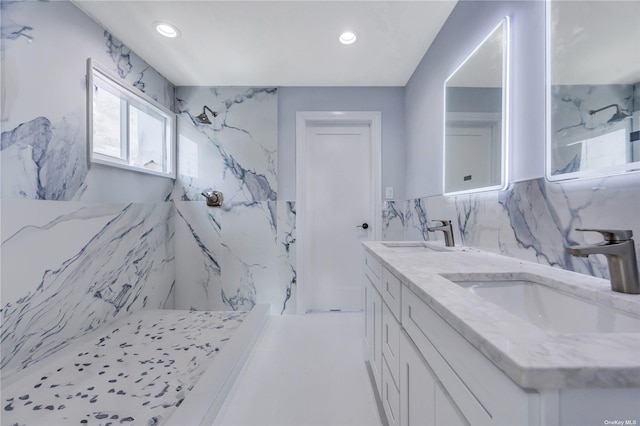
137,370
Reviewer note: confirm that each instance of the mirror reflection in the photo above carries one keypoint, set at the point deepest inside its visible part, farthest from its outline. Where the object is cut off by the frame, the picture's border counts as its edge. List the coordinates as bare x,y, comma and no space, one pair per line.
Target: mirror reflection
593,88
475,118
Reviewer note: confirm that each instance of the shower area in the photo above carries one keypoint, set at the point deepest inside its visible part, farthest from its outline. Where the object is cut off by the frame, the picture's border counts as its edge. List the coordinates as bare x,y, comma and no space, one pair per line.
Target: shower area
593,98
85,245
594,126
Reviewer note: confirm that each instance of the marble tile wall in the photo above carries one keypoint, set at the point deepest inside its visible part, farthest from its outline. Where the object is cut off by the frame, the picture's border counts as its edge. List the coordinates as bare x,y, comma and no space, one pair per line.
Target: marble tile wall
82,246
69,267
393,220
572,122
244,252
532,220
78,250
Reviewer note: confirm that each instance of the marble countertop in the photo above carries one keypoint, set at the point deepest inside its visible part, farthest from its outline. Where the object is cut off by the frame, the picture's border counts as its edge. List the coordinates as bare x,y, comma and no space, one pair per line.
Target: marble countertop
532,357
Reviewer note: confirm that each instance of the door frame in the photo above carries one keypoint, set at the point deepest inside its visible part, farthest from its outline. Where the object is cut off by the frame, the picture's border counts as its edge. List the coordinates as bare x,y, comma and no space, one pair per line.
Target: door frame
304,120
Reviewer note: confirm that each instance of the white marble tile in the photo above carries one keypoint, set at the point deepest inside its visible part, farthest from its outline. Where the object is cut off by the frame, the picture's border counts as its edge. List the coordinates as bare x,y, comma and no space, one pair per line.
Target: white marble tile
119,260
287,266
572,121
604,203
535,220
35,239
529,227
476,220
44,142
44,160
254,250
237,153
249,252
393,220
198,263
233,257
417,220
538,219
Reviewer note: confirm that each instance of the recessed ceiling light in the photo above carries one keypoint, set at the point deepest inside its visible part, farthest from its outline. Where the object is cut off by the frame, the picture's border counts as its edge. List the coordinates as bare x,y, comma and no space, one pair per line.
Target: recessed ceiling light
347,37
167,29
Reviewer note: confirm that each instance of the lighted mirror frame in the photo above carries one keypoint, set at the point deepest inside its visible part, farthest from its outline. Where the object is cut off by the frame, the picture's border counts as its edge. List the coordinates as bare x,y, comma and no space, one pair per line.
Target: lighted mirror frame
631,127
504,27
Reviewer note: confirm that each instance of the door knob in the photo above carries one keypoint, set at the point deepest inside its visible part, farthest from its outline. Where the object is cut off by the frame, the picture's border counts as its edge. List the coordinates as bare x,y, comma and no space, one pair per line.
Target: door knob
363,226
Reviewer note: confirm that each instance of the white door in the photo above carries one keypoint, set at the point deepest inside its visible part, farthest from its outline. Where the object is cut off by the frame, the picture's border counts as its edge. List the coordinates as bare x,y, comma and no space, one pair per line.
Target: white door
338,205
475,144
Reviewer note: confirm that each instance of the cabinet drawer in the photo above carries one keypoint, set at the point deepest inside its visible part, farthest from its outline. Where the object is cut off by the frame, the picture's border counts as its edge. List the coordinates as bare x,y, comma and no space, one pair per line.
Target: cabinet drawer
417,387
373,270
421,326
391,292
447,412
391,342
481,391
373,333
390,397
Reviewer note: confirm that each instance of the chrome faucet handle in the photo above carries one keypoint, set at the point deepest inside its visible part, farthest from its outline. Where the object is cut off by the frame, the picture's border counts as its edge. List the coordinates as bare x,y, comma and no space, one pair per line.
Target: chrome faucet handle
442,221
611,235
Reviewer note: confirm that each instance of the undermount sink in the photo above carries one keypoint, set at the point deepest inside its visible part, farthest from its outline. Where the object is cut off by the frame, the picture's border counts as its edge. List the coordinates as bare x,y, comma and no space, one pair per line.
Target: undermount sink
413,246
550,309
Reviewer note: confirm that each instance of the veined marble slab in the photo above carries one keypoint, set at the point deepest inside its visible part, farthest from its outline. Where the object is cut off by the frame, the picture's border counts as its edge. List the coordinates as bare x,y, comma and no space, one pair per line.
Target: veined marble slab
56,288
532,357
534,219
234,257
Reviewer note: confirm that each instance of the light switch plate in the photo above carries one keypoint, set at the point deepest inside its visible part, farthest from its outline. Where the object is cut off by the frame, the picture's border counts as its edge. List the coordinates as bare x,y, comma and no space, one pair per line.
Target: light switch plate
388,192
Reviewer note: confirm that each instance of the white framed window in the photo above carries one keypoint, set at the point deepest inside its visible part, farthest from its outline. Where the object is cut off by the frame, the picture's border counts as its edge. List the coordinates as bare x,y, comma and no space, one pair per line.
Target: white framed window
126,128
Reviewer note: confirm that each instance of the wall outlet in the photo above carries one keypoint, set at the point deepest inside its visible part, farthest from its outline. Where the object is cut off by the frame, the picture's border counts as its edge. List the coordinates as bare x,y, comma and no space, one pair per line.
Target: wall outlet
388,192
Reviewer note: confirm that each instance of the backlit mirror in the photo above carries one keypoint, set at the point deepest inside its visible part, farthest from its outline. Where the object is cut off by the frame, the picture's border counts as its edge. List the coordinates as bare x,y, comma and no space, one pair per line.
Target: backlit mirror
593,88
476,117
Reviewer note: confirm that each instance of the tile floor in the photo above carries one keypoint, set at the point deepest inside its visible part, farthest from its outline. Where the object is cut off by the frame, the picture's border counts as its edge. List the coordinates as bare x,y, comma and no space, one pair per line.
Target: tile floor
304,370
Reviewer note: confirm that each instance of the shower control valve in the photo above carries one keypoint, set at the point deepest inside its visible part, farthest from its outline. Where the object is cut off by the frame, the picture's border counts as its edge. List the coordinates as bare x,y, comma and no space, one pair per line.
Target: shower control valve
214,198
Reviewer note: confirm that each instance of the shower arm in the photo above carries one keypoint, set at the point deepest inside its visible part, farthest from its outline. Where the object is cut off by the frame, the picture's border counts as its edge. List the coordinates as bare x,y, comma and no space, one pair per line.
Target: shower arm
592,112
215,114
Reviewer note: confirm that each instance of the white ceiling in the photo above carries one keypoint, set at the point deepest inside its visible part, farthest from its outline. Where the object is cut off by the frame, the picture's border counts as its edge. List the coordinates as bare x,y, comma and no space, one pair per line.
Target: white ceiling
277,43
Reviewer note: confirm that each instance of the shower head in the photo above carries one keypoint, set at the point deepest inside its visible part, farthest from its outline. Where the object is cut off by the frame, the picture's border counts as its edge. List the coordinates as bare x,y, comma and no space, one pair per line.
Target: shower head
618,116
203,118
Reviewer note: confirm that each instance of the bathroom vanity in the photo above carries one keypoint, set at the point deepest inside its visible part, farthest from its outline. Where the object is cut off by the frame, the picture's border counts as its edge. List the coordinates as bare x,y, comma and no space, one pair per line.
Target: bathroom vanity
457,336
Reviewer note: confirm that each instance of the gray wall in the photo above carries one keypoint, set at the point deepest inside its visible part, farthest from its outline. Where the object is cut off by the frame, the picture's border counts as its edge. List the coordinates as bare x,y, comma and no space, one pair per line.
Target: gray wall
388,100
474,99
468,24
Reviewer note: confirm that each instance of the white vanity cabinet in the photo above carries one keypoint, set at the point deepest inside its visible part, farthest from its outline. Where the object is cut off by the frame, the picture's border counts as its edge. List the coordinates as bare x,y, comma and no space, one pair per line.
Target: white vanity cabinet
372,282
425,373
424,399
441,355
446,412
382,292
483,395
391,360
418,386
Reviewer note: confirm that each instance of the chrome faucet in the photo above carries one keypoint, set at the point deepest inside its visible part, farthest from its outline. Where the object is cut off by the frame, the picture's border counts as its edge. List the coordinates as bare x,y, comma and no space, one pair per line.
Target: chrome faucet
447,229
620,251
